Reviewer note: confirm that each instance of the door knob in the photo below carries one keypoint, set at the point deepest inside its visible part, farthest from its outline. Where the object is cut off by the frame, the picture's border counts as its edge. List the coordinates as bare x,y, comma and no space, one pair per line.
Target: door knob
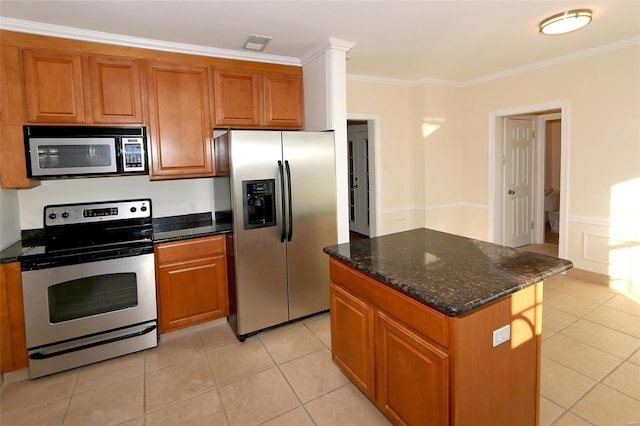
511,192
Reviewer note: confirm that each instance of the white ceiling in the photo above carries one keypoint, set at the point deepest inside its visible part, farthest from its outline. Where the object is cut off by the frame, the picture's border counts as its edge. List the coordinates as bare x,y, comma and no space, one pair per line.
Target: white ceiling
453,41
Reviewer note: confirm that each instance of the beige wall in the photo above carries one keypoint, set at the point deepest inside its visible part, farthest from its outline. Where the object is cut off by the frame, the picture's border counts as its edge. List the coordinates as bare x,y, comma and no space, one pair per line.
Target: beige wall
603,92
603,97
448,171
9,217
397,148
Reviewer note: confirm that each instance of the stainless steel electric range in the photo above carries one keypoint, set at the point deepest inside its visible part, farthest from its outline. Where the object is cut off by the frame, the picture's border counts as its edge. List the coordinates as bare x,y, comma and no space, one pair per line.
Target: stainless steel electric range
89,289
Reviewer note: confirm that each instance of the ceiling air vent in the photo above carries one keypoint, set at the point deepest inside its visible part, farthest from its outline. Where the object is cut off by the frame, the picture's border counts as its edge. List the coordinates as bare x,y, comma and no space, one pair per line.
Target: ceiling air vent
257,42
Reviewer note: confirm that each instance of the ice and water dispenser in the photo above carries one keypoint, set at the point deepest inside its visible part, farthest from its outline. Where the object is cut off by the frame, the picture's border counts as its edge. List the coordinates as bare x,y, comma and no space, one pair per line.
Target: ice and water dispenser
259,205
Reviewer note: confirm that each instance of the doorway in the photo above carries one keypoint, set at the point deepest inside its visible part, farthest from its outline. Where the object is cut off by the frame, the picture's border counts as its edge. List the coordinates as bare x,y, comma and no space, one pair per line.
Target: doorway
550,131
361,177
547,118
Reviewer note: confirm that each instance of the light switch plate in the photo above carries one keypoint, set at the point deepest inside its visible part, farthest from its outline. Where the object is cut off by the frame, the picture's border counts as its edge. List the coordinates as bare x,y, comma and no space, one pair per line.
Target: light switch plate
501,335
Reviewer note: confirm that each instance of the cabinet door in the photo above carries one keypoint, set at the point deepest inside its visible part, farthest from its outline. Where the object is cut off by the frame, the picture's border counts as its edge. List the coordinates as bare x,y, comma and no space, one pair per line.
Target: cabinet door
13,341
192,292
53,87
13,169
237,97
116,89
412,383
352,339
283,100
179,121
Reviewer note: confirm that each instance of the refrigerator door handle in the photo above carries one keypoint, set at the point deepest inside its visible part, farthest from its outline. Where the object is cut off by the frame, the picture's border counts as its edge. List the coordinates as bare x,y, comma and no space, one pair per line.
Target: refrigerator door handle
290,234
283,232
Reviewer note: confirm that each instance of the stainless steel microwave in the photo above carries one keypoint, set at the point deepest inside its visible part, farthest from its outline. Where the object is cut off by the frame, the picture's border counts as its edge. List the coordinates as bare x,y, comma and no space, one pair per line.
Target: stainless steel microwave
75,151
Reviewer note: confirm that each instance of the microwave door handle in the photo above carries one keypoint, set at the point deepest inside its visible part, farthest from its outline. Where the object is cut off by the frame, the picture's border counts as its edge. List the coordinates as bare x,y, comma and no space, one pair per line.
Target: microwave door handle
290,234
283,232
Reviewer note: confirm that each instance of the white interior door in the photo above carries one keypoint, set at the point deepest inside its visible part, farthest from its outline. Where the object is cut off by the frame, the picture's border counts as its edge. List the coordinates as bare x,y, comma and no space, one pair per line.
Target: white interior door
518,182
359,206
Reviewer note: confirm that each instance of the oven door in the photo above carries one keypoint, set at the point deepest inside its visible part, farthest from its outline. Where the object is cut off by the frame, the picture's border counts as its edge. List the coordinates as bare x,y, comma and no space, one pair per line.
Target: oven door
70,302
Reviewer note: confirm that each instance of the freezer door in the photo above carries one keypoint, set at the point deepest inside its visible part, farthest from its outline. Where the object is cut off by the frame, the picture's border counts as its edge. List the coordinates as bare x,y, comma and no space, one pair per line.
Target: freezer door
311,160
260,257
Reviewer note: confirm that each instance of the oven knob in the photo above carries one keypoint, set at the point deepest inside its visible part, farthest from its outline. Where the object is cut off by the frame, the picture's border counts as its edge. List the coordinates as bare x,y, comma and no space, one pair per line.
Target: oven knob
143,208
133,209
65,215
52,216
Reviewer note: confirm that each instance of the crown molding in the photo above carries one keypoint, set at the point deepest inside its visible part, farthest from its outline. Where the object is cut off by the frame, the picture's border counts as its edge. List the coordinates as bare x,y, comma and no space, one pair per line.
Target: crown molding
400,82
531,67
30,27
556,61
380,80
324,45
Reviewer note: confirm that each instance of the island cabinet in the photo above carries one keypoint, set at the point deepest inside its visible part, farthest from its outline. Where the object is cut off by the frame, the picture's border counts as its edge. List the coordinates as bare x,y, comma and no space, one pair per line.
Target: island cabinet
191,278
62,87
13,341
422,367
180,129
247,98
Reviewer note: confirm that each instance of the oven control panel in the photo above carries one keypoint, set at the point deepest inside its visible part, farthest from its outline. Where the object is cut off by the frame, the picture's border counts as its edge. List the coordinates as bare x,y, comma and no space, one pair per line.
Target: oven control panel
71,214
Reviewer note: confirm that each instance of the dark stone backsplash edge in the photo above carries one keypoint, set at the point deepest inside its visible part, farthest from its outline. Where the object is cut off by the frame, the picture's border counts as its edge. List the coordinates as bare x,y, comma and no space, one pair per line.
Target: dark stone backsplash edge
192,220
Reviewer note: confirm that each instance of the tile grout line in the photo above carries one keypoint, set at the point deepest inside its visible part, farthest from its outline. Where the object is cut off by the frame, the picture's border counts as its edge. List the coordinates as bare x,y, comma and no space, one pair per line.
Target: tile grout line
209,362
597,382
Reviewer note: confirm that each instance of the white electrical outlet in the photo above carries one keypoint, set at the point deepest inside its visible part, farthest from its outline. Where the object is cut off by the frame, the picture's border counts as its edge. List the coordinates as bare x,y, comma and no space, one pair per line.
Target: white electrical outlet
501,335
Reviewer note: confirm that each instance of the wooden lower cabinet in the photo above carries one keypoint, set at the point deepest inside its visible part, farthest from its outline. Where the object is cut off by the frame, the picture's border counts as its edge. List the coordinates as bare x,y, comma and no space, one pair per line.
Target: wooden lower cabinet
411,375
191,277
13,341
421,367
352,344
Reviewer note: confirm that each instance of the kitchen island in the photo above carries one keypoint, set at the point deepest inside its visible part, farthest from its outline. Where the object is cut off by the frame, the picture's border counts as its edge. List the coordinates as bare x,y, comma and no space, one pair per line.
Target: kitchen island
438,329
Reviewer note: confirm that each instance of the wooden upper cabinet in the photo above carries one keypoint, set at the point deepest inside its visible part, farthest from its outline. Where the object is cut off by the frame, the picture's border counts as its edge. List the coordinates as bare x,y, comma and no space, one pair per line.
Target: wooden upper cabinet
283,100
116,90
251,98
53,87
237,97
73,88
13,168
180,130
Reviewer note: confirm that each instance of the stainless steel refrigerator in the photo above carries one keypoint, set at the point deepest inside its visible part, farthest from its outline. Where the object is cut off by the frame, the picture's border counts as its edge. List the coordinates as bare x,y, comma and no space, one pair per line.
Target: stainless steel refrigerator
283,196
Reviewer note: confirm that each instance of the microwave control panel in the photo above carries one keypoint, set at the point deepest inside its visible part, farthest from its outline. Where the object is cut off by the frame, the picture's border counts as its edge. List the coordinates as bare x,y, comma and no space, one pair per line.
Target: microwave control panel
133,155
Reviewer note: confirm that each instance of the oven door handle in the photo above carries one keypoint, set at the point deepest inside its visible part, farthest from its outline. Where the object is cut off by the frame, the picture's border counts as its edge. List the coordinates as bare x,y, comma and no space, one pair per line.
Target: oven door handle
40,355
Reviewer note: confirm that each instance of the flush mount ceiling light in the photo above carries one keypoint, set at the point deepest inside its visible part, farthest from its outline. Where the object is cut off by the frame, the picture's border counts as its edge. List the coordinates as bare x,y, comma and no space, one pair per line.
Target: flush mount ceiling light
257,42
565,22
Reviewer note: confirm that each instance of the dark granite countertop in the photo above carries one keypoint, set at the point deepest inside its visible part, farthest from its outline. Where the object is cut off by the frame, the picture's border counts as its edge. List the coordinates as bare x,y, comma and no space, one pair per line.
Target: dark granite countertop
449,273
194,232
13,252
174,228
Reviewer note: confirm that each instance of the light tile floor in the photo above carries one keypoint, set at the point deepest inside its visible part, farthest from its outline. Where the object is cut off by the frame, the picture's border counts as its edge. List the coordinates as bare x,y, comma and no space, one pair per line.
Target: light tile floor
203,376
